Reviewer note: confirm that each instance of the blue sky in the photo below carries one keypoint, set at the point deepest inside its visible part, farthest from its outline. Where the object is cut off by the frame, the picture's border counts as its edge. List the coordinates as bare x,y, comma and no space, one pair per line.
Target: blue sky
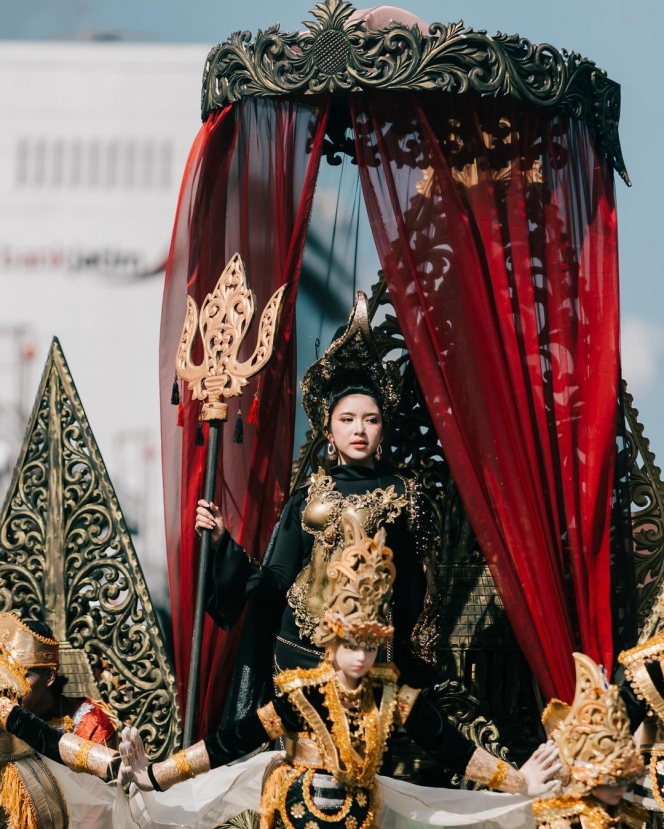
623,38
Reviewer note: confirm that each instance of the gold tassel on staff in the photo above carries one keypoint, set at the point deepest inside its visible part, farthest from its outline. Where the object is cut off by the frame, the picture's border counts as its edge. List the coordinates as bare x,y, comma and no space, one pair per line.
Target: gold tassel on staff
223,322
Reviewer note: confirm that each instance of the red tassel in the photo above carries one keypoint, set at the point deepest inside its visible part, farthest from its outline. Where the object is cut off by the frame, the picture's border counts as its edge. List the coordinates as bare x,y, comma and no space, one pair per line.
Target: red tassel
252,417
180,415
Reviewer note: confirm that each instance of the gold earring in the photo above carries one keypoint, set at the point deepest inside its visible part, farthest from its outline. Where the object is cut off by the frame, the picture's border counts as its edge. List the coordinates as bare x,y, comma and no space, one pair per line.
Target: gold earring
331,451
379,452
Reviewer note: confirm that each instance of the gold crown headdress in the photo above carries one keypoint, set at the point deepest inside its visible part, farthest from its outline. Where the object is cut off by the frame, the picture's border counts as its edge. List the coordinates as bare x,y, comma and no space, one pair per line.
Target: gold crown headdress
362,582
354,352
593,735
635,662
28,649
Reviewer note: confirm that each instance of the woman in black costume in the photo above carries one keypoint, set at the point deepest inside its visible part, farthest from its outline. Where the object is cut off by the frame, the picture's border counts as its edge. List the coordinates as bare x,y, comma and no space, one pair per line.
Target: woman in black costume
350,396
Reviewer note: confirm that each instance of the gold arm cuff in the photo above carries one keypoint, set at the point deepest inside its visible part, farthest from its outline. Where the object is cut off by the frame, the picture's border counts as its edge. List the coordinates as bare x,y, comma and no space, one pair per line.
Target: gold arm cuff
85,756
271,721
487,770
6,707
182,766
406,698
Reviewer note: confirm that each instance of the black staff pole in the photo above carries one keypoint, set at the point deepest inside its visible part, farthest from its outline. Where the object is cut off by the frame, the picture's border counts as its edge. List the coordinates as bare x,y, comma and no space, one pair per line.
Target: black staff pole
224,319
199,610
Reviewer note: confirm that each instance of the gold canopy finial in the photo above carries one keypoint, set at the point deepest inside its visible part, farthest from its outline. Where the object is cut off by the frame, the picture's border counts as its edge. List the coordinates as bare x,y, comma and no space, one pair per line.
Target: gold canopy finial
223,322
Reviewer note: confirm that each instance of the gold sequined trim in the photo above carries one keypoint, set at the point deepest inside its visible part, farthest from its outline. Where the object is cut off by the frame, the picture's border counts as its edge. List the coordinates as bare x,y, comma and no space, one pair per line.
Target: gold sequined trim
406,699
567,809
81,759
62,723
339,756
198,757
271,721
327,817
6,707
498,777
185,771
69,747
294,678
375,729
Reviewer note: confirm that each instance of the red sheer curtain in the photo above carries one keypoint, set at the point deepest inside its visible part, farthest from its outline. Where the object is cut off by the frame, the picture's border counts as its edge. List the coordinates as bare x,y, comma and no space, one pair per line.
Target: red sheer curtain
248,188
496,229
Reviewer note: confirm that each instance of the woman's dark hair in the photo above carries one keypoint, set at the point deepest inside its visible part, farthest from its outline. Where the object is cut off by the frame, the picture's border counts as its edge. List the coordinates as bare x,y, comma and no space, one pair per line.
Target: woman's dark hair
353,383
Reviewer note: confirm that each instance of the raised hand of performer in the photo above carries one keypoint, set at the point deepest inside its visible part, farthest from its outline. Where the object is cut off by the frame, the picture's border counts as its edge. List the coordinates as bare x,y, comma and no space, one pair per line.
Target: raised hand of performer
208,517
134,762
541,770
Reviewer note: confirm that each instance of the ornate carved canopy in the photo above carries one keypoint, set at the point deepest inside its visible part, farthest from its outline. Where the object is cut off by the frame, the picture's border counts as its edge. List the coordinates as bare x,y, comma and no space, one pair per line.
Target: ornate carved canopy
337,53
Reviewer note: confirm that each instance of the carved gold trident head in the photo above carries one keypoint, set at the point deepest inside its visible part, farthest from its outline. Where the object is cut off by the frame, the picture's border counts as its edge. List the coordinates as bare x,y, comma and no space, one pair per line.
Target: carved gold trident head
223,322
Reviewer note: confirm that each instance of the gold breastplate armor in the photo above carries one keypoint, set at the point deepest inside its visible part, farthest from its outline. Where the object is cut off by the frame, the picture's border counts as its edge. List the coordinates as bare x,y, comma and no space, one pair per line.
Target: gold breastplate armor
310,594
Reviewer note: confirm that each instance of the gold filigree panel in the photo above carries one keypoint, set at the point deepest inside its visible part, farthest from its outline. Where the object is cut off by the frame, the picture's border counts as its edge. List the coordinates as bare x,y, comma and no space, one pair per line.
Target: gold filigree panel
66,557
647,498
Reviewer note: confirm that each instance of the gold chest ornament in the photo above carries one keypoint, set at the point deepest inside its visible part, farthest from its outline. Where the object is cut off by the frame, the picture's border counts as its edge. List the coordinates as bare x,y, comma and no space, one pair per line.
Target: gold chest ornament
310,594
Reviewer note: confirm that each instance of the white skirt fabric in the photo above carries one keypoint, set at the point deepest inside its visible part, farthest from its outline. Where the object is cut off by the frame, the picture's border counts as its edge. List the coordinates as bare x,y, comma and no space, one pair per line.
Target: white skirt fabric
215,797
91,804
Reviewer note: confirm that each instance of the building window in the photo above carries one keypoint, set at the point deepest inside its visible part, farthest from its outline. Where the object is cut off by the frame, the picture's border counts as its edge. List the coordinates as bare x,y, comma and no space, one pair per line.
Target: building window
126,164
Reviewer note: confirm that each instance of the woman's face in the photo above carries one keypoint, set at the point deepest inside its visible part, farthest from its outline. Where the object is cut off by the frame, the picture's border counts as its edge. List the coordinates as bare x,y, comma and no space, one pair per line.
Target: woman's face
611,795
40,699
354,661
356,429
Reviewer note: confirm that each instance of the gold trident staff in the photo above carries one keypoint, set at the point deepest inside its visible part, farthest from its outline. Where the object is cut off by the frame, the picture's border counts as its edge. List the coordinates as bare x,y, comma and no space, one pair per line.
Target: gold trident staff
223,323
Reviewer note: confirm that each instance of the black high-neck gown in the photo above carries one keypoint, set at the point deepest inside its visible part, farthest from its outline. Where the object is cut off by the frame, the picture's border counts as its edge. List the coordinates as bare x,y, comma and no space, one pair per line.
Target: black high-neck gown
270,638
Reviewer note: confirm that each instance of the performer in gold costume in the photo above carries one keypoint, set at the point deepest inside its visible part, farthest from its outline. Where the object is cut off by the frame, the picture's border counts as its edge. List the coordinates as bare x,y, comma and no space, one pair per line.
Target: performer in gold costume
336,718
350,396
34,647
643,693
30,794
600,758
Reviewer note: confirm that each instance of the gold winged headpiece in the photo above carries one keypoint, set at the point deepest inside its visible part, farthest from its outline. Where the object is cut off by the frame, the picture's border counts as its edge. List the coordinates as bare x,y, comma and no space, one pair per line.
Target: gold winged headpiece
593,735
362,582
354,352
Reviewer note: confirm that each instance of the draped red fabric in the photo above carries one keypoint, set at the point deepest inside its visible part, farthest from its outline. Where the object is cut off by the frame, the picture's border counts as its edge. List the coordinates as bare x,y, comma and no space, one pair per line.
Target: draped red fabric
496,229
248,188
